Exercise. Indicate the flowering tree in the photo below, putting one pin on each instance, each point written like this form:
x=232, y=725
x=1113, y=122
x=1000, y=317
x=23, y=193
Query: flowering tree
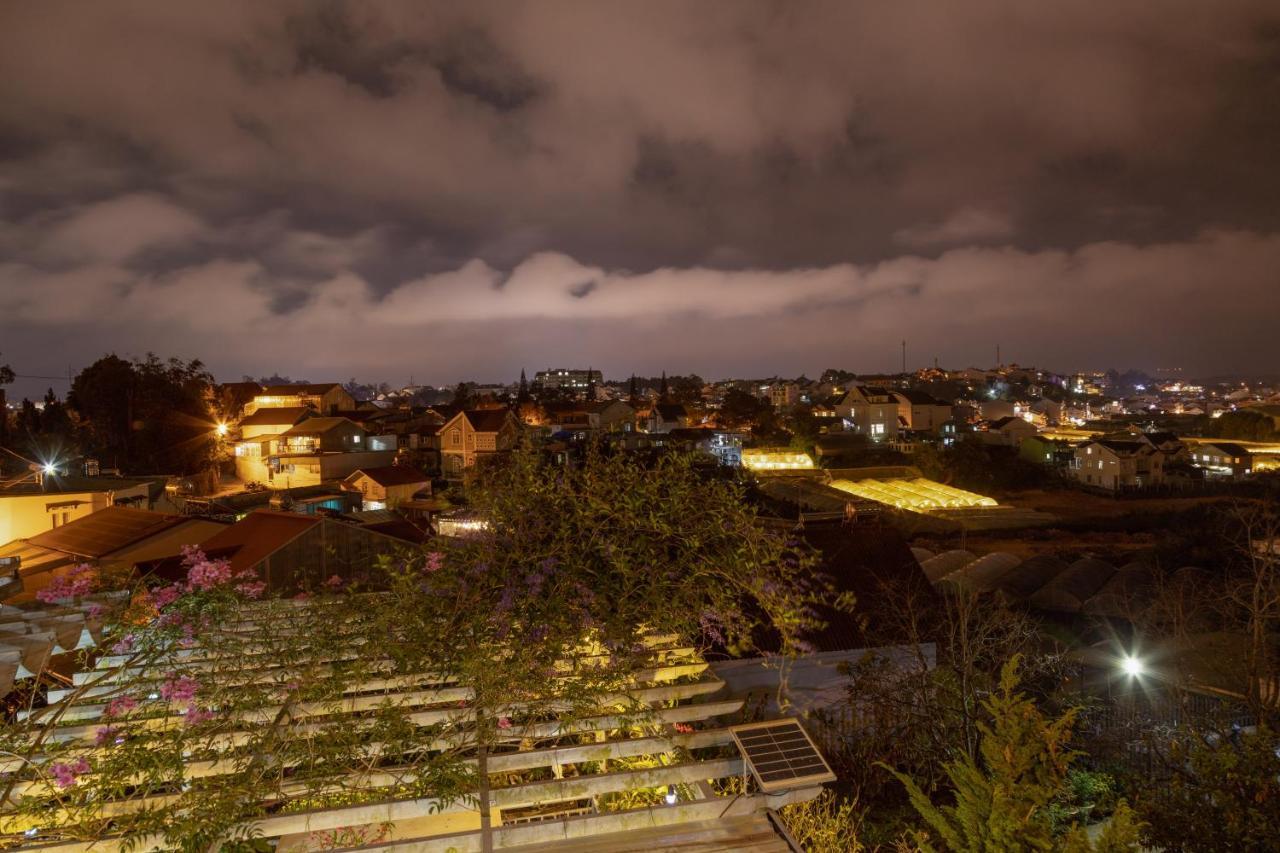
x=217, y=710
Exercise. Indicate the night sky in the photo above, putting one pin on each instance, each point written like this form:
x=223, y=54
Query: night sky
x=461, y=190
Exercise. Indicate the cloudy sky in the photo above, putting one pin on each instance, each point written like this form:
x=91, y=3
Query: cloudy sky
x=735, y=188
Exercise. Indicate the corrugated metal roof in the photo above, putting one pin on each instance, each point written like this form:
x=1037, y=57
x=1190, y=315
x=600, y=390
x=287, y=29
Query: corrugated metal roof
x=105, y=531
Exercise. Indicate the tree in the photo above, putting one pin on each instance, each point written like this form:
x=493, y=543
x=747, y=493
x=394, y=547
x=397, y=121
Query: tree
x=147, y=415
x=664, y=390
x=6, y=378
x=1243, y=425
x=522, y=396
x=462, y=396
x=633, y=389
x=740, y=408
x=1002, y=801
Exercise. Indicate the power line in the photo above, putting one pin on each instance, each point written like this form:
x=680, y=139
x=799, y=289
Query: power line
x=29, y=376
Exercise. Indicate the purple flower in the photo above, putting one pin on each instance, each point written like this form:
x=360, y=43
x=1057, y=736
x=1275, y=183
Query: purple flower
x=105, y=735
x=120, y=705
x=124, y=645
x=435, y=560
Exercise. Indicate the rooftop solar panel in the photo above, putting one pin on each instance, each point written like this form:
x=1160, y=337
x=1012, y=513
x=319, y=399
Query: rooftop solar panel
x=781, y=755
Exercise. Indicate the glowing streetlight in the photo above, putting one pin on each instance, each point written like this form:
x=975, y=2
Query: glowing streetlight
x=50, y=468
x=222, y=428
x=1131, y=666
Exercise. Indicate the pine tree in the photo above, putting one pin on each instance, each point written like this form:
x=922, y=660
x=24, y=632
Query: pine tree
x=591, y=384
x=664, y=392
x=1002, y=802
x=634, y=391
x=523, y=395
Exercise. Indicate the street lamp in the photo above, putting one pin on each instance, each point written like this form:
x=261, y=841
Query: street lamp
x=1131, y=666
x=222, y=428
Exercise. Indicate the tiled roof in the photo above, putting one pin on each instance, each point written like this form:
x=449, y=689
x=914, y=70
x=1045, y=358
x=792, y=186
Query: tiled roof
x=392, y=475
x=287, y=416
x=297, y=390
x=318, y=426
x=487, y=420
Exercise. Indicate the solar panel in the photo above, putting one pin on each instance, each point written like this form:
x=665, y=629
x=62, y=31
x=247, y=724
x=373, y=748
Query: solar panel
x=781, y=755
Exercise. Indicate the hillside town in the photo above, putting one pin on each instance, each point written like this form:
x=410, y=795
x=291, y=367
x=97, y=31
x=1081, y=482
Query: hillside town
x=1034, y=506
x=644, y=426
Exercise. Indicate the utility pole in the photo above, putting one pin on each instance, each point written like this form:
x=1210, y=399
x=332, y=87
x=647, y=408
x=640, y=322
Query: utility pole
x=904, y=357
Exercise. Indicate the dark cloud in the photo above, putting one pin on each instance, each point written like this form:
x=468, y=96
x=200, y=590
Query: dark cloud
x=393, y=185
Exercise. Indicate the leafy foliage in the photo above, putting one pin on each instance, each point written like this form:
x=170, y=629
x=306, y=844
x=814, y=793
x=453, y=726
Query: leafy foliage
x=548, y=616
x=1224, y=794
x=825, y=824
x=1002, y=802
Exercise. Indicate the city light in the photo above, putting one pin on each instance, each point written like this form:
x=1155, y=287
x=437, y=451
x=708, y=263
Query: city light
x=222, y=428
x=50, y=468
x=1131, y=666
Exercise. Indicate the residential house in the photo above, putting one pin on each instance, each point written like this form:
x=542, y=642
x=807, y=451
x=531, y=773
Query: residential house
x=1042, y=450
x=871, y=411
x=784, y=395
x=27, y=509
x=1173, y=448
x=597, y=416
x=472, y=434
x=313, y=451
x=922, y=412
x=1116, y=465
x=664, y=417
x=1008, y=431
x=270, y=422
x=324, y=398
x=115, y=538
x=387, y=487
x=1223, y=459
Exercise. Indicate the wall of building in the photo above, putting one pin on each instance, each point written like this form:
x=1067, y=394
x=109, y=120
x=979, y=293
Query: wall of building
x=23, y=515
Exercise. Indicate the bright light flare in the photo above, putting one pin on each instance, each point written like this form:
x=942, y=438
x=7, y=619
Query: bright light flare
x=50, y=468
x=222, y=428
x=1132, y=666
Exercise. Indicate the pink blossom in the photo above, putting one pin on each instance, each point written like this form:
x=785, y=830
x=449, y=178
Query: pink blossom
x=182, y=689
x=208, y=574
x=435, y=560
x=64, y=775
x=105, y=735
x=75, y=582
x=251, y=590
x=195, y=716
x=124, y=645
x=504, y=723
x=120, y=705
x=165, y=596
x=683, y=728
x=334, y=582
